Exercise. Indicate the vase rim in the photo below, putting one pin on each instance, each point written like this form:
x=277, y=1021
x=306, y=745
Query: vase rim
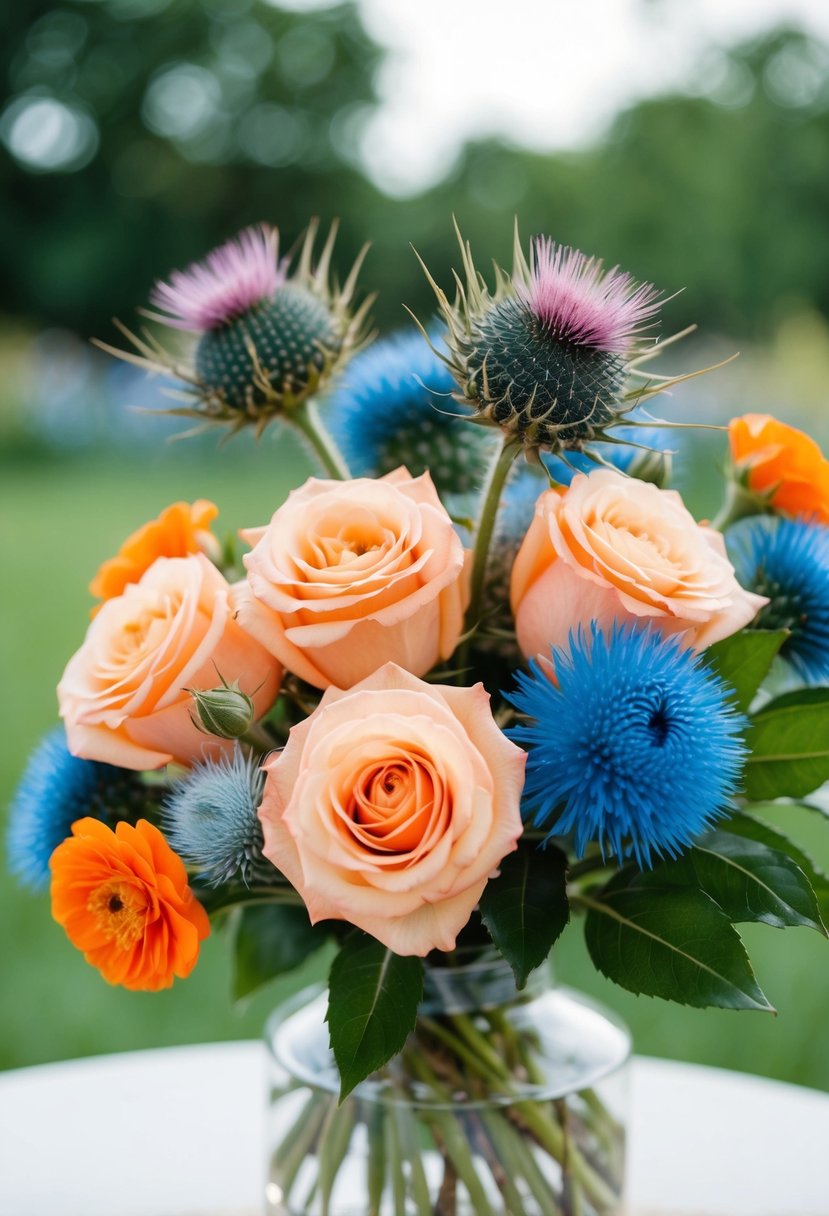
x=321, y=1071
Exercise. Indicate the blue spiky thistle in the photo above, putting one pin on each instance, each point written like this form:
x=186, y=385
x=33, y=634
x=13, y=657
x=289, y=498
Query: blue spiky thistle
x=788, y=561
x=55, y=790
x=549, y=354
x=210, y=820
x=392, y=407
x=636, y=745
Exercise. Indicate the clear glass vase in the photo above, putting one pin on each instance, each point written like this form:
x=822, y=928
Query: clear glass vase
x=503, y=1103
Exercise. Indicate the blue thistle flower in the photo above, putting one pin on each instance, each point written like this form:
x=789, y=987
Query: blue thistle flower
x=56, y=789
x=210, y=819
x=637, y=746
x=788, y=561
x=392, y=406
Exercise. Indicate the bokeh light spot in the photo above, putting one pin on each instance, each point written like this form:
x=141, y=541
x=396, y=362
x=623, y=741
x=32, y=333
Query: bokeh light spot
x=47, y=135
x=181, y=101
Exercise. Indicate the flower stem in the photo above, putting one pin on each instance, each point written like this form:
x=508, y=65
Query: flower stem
x=306, y=419
x=486, y=525
x=739, y=502
x=258, y=738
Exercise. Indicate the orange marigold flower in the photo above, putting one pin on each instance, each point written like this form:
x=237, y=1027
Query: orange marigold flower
x=123, y=899
x=781, y=463
x=180, y=529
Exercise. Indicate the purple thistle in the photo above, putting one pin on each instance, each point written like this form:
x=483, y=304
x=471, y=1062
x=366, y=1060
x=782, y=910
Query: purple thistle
x=578, y=302
x=228, y=283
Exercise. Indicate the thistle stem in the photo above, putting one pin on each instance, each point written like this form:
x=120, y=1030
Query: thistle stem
x=306, y=419
x=486, y=526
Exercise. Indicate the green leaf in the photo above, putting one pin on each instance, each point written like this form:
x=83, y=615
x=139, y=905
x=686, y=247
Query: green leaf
x=670, y=942
x=757, y=829
x=236, y=895
x=744, y=659
x=373, y=997
x=748, y=879
x=525, y=908
x=270, y=940
x=789, y=741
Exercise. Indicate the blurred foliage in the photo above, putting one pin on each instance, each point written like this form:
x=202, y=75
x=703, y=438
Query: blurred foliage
x=143, y=132
x=723, y=196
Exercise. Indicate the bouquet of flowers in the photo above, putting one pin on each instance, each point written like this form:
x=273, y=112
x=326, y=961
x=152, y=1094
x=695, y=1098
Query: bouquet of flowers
x=485, y=674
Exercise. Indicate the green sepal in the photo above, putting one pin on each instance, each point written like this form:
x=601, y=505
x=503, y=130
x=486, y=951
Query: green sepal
x=525, y=908
x=373, y=996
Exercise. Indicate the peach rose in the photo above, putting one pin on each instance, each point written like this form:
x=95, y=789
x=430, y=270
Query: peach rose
x=124, y=694
x=391, y=806
x=350, y=575
x=614, y=548
x=180, y=529
x=783, y=463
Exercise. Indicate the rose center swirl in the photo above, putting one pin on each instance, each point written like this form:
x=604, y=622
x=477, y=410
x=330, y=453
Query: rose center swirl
x=339, y=544
x=392, y=804
x=144, y=631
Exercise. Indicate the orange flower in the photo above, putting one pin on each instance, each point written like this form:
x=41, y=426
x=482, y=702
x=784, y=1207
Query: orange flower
x=123, y=899
x=180, y=529
x=781, y=463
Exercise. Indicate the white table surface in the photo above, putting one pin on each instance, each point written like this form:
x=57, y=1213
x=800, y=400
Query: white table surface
x=180, y=1132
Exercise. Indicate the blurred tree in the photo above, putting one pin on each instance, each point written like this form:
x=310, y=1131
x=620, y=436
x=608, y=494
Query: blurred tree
x=723, y=195
x=141, y=132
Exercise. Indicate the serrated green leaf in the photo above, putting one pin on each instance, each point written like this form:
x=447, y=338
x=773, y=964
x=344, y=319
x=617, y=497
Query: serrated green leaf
x=525, y=908
x=748, y=879
x=670, y=942
x=744, y=659
x=758, y=829
x=789, y=741
x=373, y=997
x=270, y=940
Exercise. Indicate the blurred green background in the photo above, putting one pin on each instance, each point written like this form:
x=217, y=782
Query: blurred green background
x=141, y=132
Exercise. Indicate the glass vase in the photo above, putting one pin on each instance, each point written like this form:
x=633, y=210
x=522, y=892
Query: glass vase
x=502, y=1103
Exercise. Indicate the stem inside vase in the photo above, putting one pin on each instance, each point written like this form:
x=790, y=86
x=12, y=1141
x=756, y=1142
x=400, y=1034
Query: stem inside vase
x=501, y=1104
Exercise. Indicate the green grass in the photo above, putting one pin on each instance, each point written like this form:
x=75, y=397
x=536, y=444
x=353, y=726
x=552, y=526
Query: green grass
x=58, y=520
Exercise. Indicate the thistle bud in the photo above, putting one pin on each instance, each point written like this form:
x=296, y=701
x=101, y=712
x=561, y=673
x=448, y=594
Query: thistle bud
x=226, y=712
x=210, y=820
x=547, y=355
x=268, y=336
